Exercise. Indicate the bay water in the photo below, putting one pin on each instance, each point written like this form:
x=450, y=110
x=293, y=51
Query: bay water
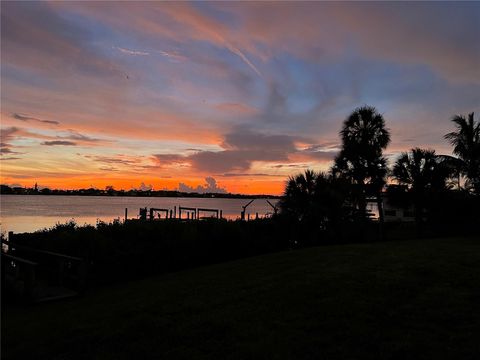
x=28, y=213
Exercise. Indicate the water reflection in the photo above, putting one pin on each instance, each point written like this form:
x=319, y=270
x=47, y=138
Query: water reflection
x=30, y=213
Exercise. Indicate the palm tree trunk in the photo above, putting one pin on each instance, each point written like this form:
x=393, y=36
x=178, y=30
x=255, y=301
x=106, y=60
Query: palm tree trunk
x=362, y=200
x=381, y=218
x=362, y=206
x=418, y=219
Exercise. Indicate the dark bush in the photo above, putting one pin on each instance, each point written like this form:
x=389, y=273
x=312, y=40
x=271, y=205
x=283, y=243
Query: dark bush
x=137, y=248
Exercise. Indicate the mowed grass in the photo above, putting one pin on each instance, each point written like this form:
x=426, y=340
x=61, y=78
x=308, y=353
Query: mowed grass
x=417, y=299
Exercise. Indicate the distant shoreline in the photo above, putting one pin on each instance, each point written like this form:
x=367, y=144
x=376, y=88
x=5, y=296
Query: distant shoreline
x=130, y=193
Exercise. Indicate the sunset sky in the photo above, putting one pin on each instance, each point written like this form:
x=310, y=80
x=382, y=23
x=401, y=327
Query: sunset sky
x=168, y=94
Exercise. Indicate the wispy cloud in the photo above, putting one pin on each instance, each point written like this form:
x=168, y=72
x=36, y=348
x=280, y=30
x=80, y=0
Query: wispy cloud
x=29, y=118
x=75, y=135
x=131, y=52
x=69, y=137
x=172, y=55
x=7, y=134
x=203, y=27
x=234, y=175
x=242, y=56
x=297, y=166
x=109, y=168
x=236, y=108
x=7, y=150
x=132, y=164
x=59, y=143
x=118, y=159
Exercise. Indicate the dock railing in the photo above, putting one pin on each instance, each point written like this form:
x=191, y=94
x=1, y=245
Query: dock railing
x=30, y=265
x=20, y=272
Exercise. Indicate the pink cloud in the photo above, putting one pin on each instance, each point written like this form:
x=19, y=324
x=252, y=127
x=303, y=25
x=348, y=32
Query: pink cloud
x=395, y=31
x=204, y=28
x=237, y=108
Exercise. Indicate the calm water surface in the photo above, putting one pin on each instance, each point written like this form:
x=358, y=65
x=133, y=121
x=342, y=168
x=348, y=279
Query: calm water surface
x=26, y=213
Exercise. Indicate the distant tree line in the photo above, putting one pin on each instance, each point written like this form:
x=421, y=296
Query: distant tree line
x=443, y=190
x=111, y=191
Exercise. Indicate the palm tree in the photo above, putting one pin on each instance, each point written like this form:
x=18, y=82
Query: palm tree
x=423, y=171
x=314, y=198
x=415, y=169
x=361, y=160
x=466, y=145
x=298, y=197
x=453, y=166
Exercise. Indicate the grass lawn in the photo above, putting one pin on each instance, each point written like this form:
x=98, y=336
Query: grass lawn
x=417, y=299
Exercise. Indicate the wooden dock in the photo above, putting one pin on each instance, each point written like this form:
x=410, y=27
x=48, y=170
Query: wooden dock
x=184, y=213
x=195, y=213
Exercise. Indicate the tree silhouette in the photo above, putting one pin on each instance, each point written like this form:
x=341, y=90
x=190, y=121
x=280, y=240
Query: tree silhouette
x=298, y=199
x=425, y=173
x=453, y=167
x=364, y=137
x=314, y=199
x=466, y=145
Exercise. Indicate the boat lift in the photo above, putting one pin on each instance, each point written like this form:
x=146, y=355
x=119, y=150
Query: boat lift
x=274, y=207
x=218, y=213
x=242, y=214
x=191, y=212
x=159, y=211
